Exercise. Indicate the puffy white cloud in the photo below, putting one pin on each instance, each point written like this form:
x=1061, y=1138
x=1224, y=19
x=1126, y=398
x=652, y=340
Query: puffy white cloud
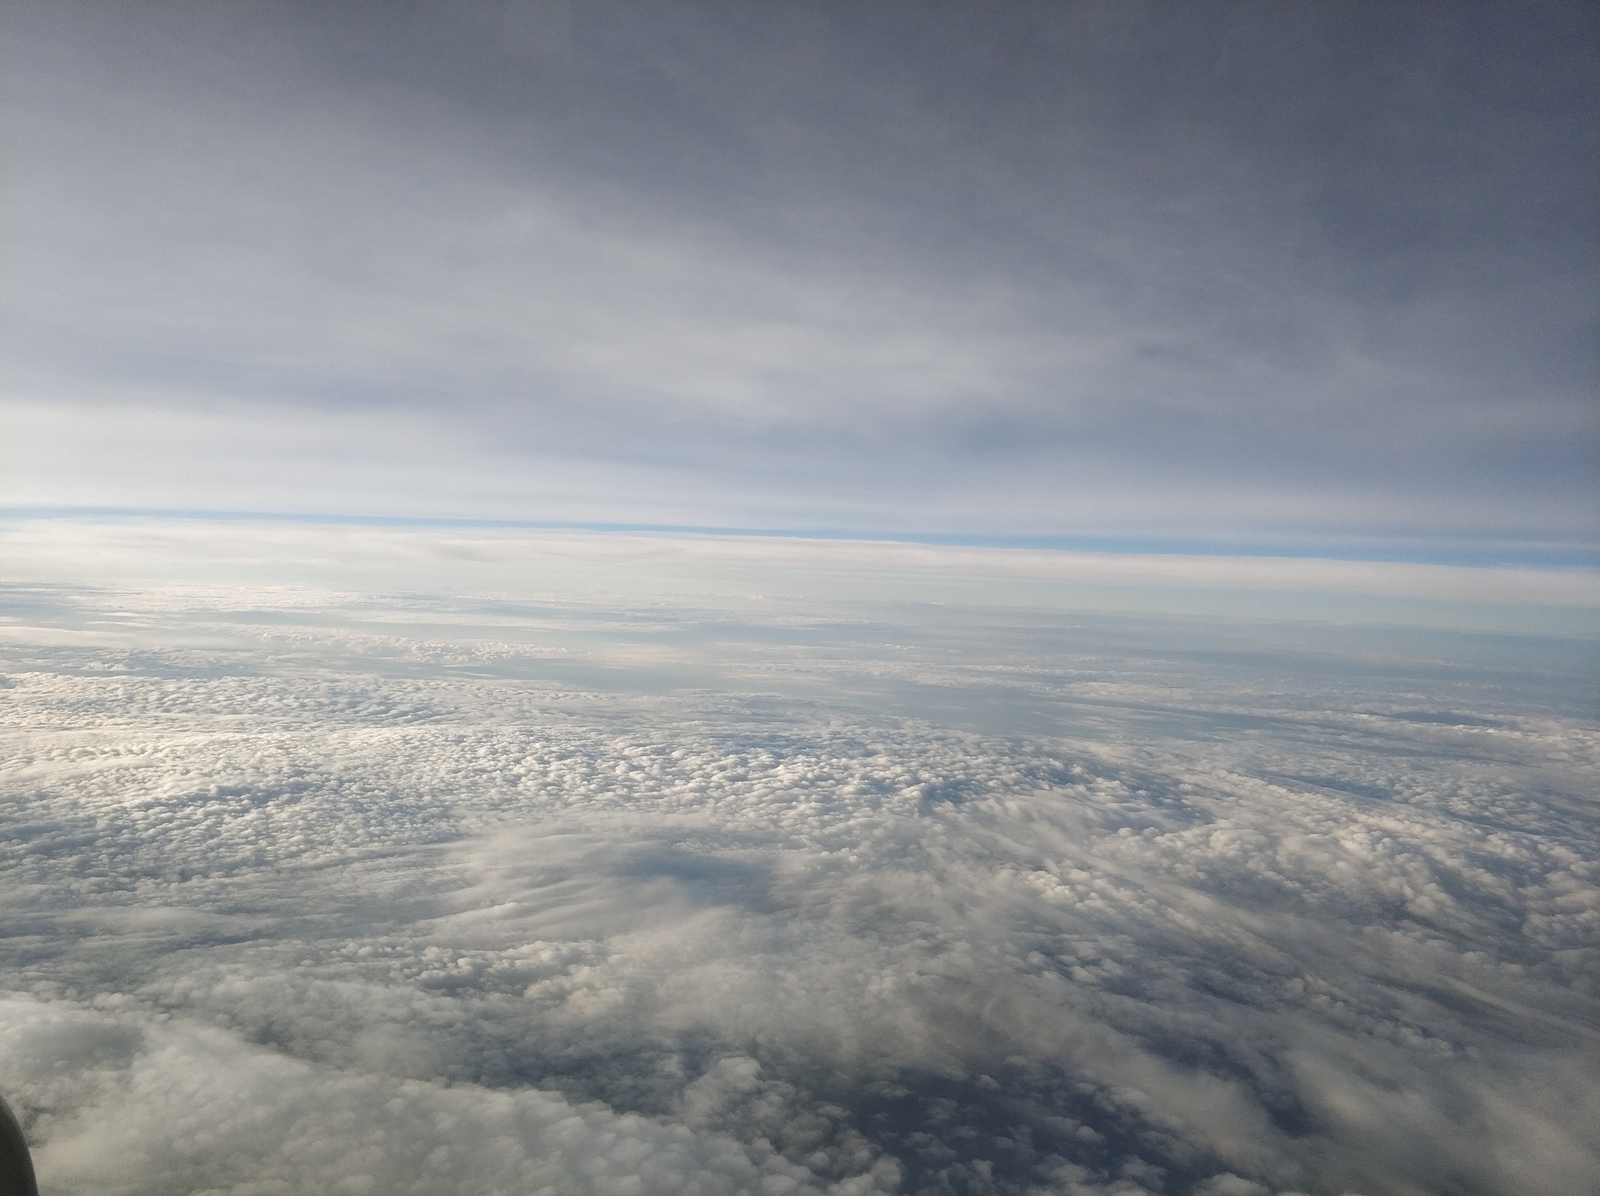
x=178, y=1107
x=302, y=891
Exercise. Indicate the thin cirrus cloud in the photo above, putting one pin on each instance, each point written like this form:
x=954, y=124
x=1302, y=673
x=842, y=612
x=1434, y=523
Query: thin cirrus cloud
x=1274, y=274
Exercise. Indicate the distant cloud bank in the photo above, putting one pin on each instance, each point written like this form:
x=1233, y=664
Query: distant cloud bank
x=467, y=559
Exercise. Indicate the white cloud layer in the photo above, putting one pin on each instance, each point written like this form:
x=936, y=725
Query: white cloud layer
x=808, y=571
x=314, y=893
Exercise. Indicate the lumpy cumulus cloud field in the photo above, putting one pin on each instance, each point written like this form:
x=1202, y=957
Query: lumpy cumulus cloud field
x=308, y=891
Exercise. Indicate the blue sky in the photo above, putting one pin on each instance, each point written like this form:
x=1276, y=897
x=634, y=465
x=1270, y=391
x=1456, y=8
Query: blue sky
x=1310, y=278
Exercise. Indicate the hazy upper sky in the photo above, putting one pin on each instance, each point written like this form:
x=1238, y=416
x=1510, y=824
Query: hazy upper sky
x=1315, y=276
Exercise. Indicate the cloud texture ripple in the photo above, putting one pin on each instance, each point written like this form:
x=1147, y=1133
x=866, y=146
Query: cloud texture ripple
x=311, y=894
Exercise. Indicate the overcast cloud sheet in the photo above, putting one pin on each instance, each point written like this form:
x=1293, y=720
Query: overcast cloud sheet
x=1284, y=274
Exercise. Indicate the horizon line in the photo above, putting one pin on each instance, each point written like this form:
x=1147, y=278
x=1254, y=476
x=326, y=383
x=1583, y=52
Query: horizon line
x=1499, y=555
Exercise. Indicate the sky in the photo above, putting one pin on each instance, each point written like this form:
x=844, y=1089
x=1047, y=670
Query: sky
x=986, y=599
x=1302, y=278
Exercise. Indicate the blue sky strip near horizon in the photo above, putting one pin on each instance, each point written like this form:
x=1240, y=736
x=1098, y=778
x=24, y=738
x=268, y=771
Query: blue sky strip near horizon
x=1467, y=556
x=1290, y=279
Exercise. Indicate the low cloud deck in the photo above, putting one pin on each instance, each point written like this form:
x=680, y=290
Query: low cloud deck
x=345, y=894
